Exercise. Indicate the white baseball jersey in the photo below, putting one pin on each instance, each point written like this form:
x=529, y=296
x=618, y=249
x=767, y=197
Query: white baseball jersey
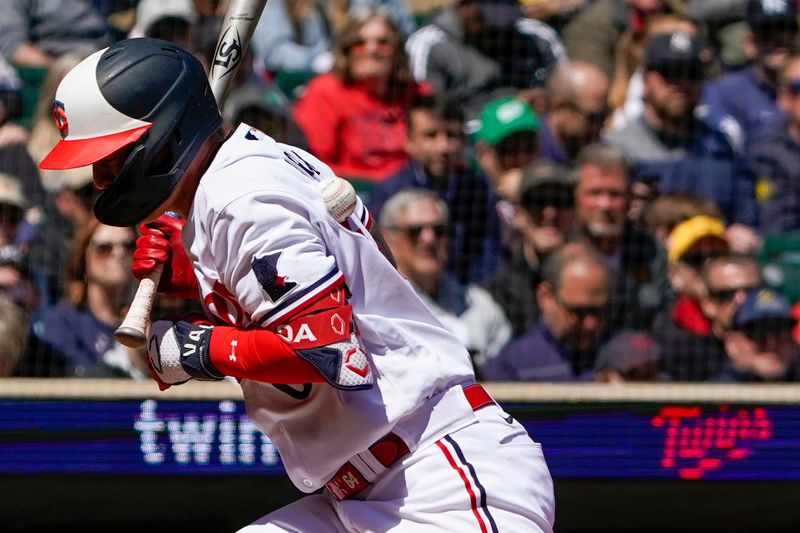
x=262, y=243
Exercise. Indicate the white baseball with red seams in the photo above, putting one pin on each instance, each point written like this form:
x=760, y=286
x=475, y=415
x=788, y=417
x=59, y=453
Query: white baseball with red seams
x=339, y=197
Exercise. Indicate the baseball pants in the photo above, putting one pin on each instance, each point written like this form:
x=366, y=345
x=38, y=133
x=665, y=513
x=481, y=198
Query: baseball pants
x=486, y=477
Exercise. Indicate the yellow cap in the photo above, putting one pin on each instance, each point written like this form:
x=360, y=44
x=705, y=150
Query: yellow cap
x=688, y=232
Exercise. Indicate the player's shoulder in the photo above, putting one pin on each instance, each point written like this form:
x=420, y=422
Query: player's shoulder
x=250, y=164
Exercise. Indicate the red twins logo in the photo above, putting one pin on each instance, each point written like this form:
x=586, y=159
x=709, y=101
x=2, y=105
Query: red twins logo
x=60, y=117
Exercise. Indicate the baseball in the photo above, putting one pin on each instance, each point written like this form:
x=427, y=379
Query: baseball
x=339, y=197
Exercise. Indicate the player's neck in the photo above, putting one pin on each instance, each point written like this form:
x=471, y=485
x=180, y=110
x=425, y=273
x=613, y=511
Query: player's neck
x=182, y=197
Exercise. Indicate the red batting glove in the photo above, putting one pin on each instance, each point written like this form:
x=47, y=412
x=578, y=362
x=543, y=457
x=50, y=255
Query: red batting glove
x=160, y=243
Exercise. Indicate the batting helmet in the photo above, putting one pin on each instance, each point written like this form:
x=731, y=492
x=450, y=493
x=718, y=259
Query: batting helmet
x=145, y=92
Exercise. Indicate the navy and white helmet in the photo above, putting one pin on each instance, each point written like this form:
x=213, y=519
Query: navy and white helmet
x=147, y=93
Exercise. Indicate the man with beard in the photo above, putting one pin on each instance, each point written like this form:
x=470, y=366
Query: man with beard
x=679, y=146
x=573, y=296
x=576, y=98
x=602, y=197
x=748, y=95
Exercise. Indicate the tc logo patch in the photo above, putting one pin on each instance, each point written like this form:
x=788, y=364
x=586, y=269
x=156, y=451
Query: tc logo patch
x=266, y=270
x=60, y=118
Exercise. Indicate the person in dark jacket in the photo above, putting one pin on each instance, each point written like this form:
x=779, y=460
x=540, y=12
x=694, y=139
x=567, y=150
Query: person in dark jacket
x=435, y=143
x=748, y=95
x=573, y=296
x=602, y=197
x=680, y=146
x=774, y=159
x=543, y=217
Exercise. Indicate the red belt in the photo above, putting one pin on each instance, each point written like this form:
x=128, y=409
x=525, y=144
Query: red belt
x=348, y=480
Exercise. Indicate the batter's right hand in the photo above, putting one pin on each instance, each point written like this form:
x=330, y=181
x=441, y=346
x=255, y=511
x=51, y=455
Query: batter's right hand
x=160, y=243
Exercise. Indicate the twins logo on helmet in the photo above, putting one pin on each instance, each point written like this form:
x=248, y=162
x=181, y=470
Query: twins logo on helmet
x=60, y=117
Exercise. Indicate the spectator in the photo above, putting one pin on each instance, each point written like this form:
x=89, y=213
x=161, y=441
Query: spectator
x=293, y=35
x=14, y=281
x=627, y=85
x=10, y=99
x=354, y=117
x=13, y=336
x=629, y=356
x=675, y=146
x=68, y=206
x=435, y=145
x=77, y=335
x=265, y=107
x=691, y=351
x=760, y=347
x=573, y=295
x=505, y=141
x=415, y=226
x=507, y=138
x=594, y=33
x=727, y=279
x=576, y=100
x=602, y=197
x=67, y=198
x=543, y=216
x=556, y=13
x=774, y=158
x=34, y=33
x=667, y=211
x=748, y=95
x=169, y=20
x=474, y=46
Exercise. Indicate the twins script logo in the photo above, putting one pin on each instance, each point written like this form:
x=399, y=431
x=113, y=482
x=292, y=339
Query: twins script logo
x=695, y=444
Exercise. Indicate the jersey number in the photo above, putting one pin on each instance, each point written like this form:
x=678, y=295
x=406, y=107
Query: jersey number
x=300, y=164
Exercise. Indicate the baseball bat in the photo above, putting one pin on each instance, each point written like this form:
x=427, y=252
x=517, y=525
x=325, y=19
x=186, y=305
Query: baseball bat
x=241, y=18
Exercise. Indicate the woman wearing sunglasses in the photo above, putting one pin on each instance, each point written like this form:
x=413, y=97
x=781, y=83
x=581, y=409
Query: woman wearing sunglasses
x=78, y=332
x=354, y=117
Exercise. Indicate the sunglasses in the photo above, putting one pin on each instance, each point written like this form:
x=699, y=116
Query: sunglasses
x=597, y=116
x=383, y=45
x=558, y=198
x=415, y=230
x=677, y=74
x=106, y=248
x=582, y=311
x=726, y=295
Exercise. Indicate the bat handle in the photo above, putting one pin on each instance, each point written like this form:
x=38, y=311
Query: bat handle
x=133, y=330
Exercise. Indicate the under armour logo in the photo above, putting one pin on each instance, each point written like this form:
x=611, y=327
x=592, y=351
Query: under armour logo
x=232, y=355
x=60, y=118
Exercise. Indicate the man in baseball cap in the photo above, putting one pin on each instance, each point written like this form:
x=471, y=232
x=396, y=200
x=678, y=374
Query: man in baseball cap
x=760, y=346
x=629, y=356
x=506, y=137
x=748, y=95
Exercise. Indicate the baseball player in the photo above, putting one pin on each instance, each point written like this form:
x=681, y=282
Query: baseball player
x=371, y=403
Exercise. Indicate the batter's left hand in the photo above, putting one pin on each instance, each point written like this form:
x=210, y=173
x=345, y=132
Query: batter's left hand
x=178, y=350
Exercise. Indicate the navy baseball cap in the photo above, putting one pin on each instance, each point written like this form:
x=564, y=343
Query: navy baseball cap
x=762, y=305
x=764, y=16
x=675, y=50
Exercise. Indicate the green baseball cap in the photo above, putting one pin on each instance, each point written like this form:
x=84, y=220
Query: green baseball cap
x=503, y=117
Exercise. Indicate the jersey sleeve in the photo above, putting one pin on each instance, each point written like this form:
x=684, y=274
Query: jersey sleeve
x=278, y=264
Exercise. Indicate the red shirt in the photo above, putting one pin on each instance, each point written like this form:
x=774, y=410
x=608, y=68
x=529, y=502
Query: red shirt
x=359, y=135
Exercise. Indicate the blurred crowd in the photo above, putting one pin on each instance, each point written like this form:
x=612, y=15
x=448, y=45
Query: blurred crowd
x=581, y=190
